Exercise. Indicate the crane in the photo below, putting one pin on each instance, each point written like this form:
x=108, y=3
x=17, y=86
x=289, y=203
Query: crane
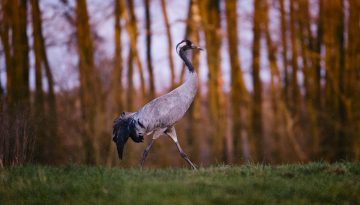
x=159, y=116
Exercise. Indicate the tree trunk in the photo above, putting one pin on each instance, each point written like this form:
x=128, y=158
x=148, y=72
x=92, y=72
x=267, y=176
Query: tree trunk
x=41, y=138
x=130, y=89
x=170, y=44
x=284, y=44
x=116, y=80
x=148, y=50
x=131, y=27
x=334, y=62
x=194, y=133
x=352, y=101
x=309, y=59
x=21, y=91
x=17, y=128
x=49, y=146
x=275, y=87
x=239, y=94
x=295, y=91
x=90, y=86
x=117, y=87
x=256, y=109
x=54, y=142
x=209, y=11
x=318, y=94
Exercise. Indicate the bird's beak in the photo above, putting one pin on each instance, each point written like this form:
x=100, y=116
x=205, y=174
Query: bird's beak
x=197, y=47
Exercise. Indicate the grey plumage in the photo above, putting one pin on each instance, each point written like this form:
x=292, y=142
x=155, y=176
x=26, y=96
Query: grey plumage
x=159, y=115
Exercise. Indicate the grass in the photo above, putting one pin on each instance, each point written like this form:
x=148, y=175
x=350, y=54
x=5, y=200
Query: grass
x=314, y=183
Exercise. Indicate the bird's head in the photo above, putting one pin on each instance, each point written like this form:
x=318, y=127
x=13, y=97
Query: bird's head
x=124, y=127
x=186, y=45
x=184, y=50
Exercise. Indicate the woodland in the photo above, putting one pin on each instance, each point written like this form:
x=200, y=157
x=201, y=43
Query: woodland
x=279, y=79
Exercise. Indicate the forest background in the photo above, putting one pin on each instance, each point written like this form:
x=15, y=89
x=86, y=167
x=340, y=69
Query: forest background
x=279, y=79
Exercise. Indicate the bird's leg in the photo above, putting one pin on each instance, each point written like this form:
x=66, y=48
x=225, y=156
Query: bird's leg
x=146, y=152
x=184, y=155
x=172, y=134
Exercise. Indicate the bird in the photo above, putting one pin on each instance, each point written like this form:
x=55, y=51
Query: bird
x=159, y=116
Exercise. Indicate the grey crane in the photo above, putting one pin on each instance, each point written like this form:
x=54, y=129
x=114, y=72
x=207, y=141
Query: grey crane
x=159, y=115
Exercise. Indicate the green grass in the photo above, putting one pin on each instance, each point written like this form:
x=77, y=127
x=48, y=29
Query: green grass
x=315, y=183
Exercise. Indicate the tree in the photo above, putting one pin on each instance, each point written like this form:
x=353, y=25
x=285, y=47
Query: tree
x=195, y=135
x=294, y=84
x=310, y=57
x=131, y=27
x=90, y=87
x=335, y=65
x=284, y=44
x=40, y=154
x=15, y=42
x=256, y=109
x=210, y=15
x=116, y=81
x=170, y=44
x=16, y=124
x=352, y=79
x=117, y=86
x=239, y=94
x=45, y=105
x=148, y=49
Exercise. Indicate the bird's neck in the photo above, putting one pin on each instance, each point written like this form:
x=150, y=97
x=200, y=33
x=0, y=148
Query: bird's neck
x=187, y=62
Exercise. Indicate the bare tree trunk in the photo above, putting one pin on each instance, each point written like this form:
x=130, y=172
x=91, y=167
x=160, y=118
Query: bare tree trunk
x=194, y=132
x=256, y=109
x=13, y=32
x=130, y=19
x=170, y=44
x=48, y=149
x=343, y=141
x=295, y=91
x=51, y=115
x=148, y=49
x=41, y=138
x=116, y=81
x=209, y=10
x=21, y=91
x=334, y=62
x=318, y=96
x=284, y=43
x=309, y=59
x=351, y=101
x=239, y=94
x=275, y=87
x=130, y=89
x=90, y=86
x=117, y=87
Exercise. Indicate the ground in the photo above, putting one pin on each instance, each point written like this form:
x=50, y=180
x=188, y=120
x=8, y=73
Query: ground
x=314, y=183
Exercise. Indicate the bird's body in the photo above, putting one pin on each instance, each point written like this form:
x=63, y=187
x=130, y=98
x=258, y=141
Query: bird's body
x=159, y=115
x=166, y=110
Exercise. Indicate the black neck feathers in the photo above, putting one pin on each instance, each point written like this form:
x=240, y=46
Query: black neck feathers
x=186, y=60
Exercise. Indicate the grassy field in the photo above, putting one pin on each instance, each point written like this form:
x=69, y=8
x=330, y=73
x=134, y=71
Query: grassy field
x=315, y=183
